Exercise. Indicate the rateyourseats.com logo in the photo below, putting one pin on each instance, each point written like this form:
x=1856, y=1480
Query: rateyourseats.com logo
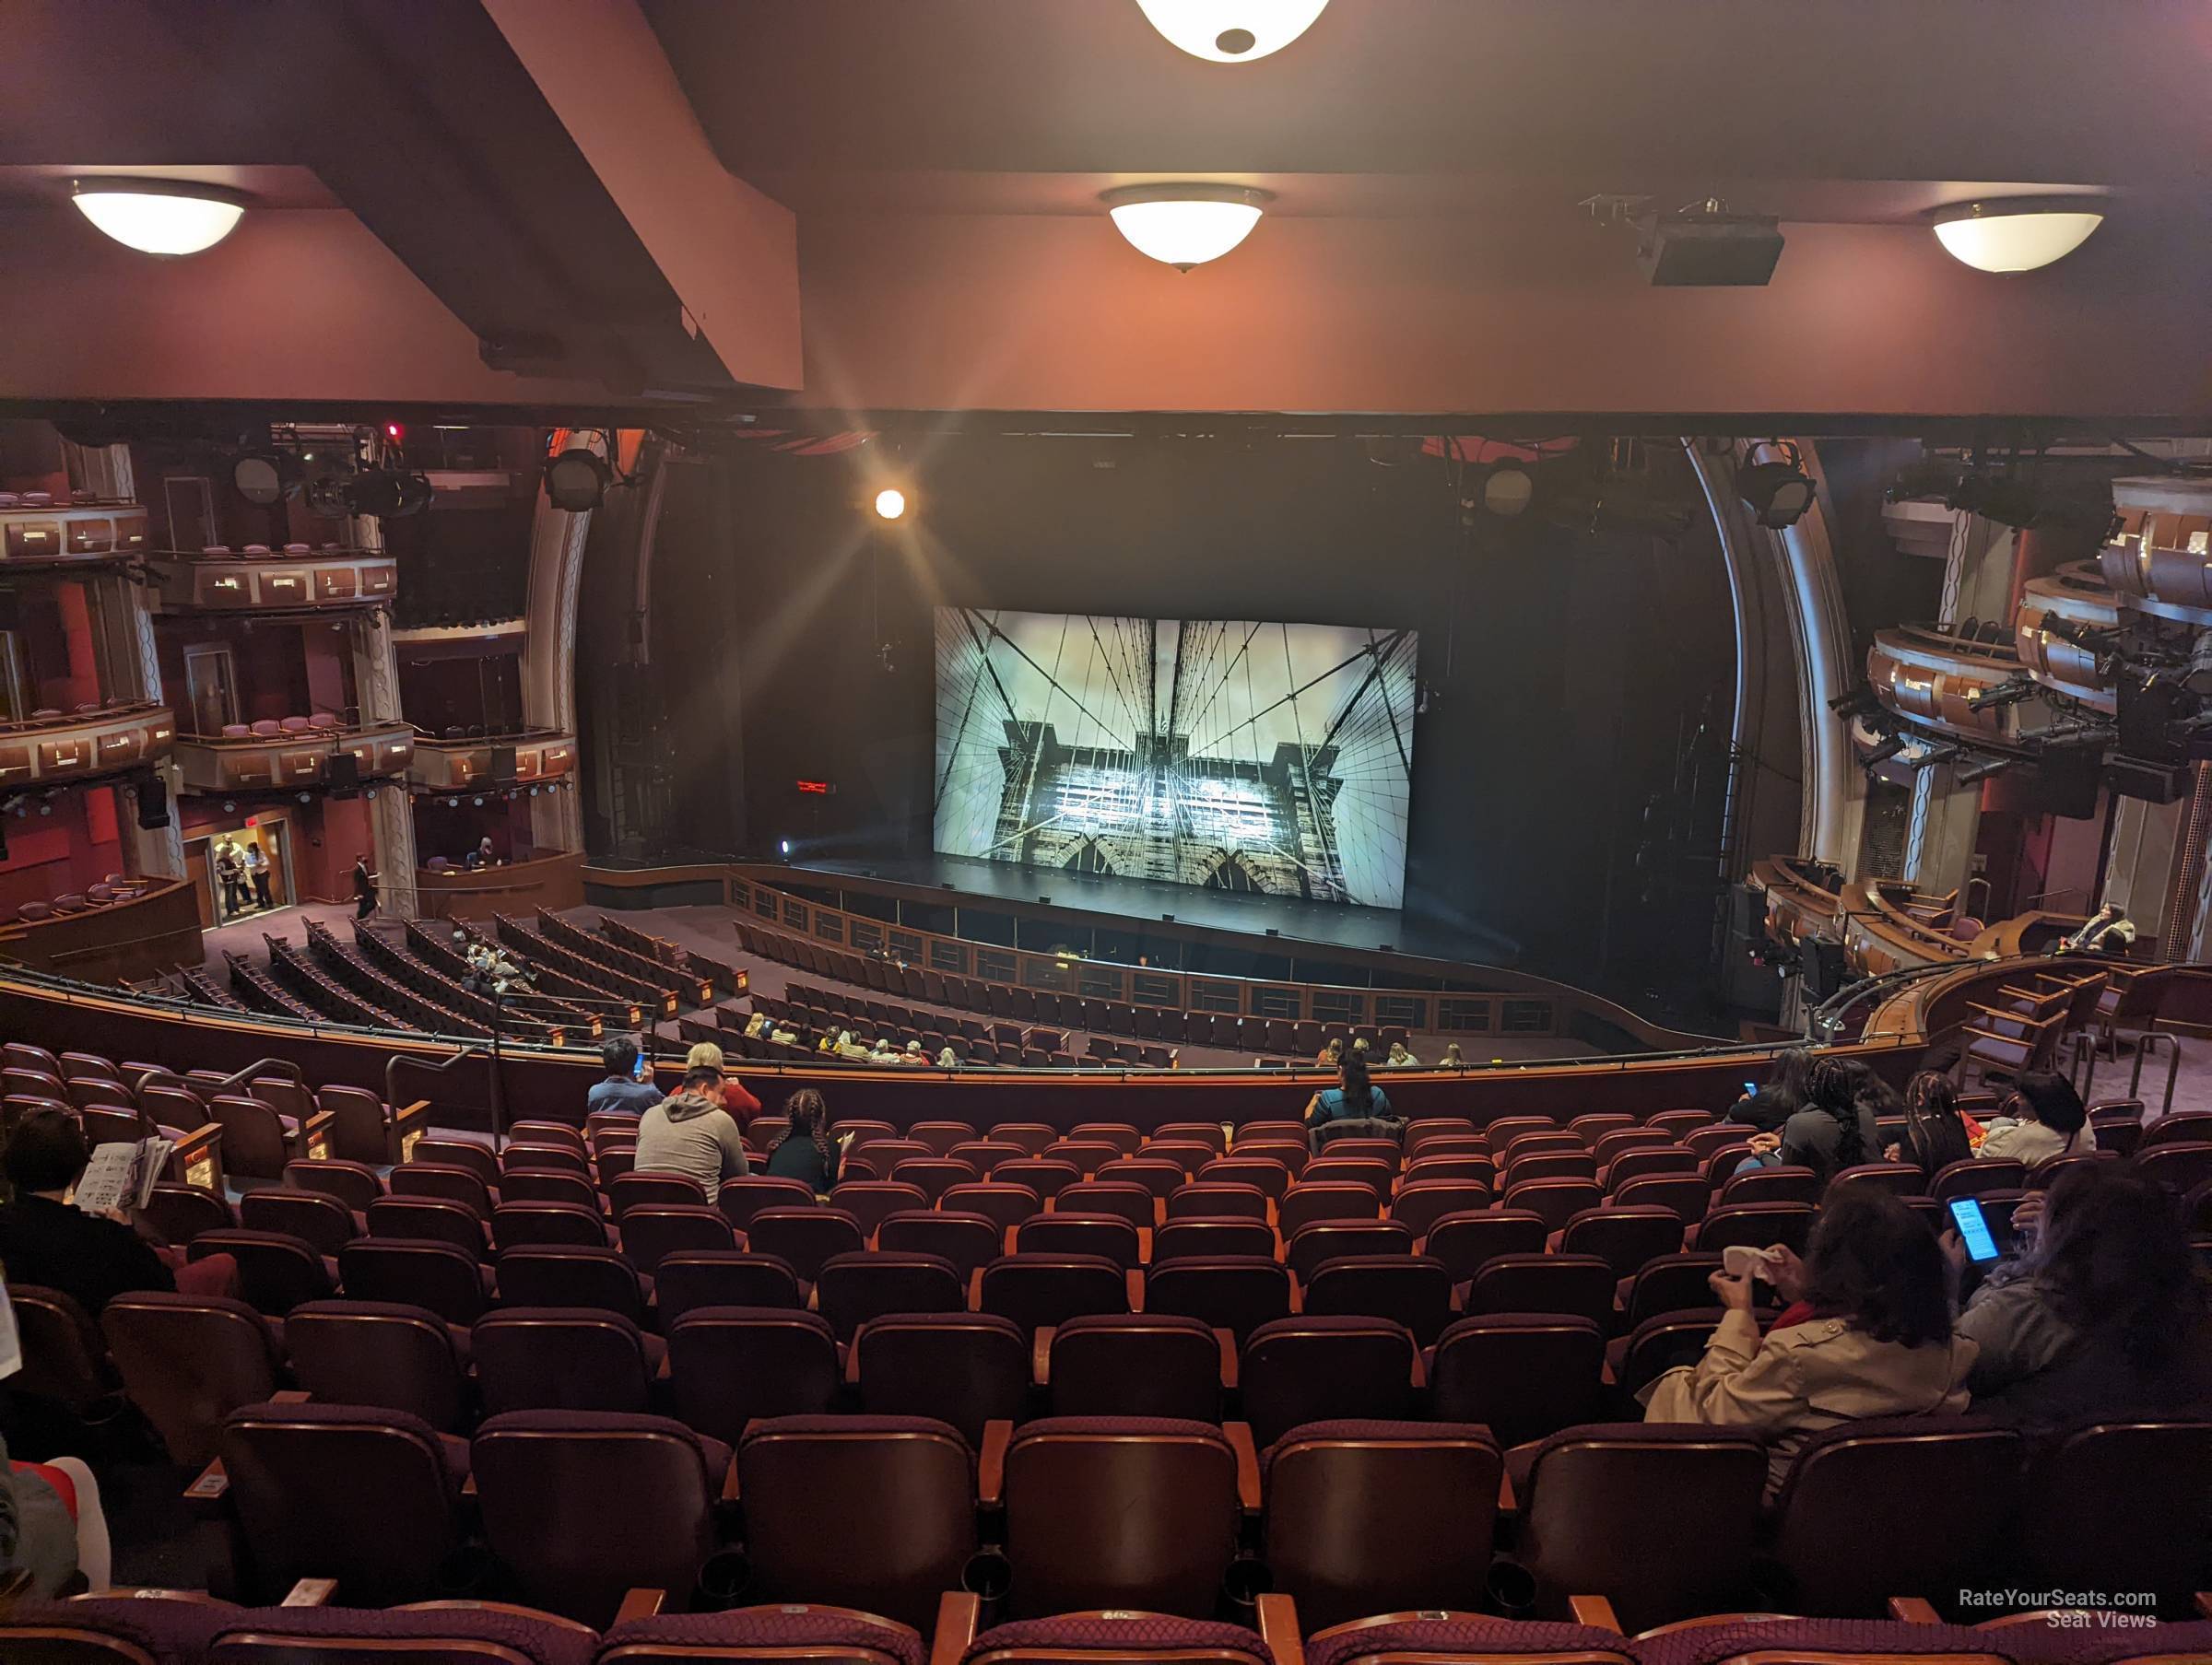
x=2071, y=1608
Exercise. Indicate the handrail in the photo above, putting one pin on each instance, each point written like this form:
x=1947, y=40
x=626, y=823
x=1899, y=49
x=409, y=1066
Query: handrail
x=399, y=1060
x=271, y=1065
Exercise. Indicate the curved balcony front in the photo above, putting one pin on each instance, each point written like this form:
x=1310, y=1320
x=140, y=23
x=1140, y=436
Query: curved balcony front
x=294, y=760
x=2160, y=562
x=1888, y=925
x=1932, y=677
x=454, y=763
x=52, y=746
x=35, y=530
x=259, y=580
x=1799, y=901
x=2076, y=599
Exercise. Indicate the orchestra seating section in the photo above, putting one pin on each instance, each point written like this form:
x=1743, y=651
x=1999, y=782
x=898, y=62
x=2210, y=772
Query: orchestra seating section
x=1116, y=1385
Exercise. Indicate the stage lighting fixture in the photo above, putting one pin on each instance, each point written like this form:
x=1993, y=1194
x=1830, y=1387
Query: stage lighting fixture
x=890, y=503
x=1508, y=490
x=1704, y=246
x=266, y=477
x=1777, y=490
x=1855, y=702
x=1980, y=769
x=1185, y=225
x=2019, y=235
x=159, y=216
x=1882, y=750
x=1232, y=31
x=389, y=494
x=576, y=480
x=783, y=847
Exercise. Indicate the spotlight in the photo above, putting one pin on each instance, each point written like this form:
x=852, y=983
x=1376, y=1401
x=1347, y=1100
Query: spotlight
x=1855, y=702
x=890, y=503
x=1980, y=769
x=159, y=216
x=1777, y=490
x=1882, y=750
x=388, y=494
x=784, y=845
x=266, y=477
x=1506, y=491
x=577, y=479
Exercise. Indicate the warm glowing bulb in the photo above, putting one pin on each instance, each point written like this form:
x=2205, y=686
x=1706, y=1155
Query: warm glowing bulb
x=1185, y=226
x=2004, y=237
x=1232, y=31
x=890, y=502
x=156, y=218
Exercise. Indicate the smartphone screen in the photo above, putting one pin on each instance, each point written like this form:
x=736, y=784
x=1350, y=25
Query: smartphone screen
x=1751, y=1089
x=1973, y=1230
x=643, y=1071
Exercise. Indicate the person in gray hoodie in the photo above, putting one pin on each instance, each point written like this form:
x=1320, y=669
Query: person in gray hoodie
x=692, y=1135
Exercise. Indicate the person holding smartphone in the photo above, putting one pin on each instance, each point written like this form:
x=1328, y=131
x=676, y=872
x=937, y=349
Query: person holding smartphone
x=626, y=1087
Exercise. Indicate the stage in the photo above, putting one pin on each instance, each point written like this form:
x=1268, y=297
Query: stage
x=1296, y=922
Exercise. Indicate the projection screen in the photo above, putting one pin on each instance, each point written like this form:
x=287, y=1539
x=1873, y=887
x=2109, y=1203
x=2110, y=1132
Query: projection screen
x=1269, y=757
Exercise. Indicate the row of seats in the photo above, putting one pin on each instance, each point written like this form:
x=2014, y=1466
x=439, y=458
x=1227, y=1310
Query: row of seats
x=814, y=1013
x=1072, y=1513
x=114, y=888
x=108, y=1629
x=278, y=728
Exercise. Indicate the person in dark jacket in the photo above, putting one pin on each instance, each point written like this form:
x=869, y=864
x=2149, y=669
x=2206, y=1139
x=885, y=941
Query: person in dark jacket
x=2104, y=1314
x=364, y=888
x=1836, y=1128
x=806, y=1153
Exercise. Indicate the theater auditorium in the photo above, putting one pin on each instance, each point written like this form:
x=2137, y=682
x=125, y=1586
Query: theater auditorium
x=1105, y=832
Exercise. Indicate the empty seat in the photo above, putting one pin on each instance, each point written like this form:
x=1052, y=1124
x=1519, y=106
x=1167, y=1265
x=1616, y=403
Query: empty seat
x=454, y=1181
x=1035, y=1290
x=559, y=1358
x=1786, y=1184
x=2121, y=1504
x=356, y=1184
x=1465, y=1242
x=276, y=1270
x=544, y=1185
x=1576, y=1284
x=742, y=1198
x=1303, y=1369
x=189, y=1361
x=1080, y=1234
x=1553, y=1201
x=690, y=1278
x=1202, y=1239
x=181, y=1212
x=1270, y=1177
x=1422, y=1202
x=1151, y=1363
x=653, y=1231
x=1237, y=1293
x=1047, y=1178
x=1415, y=1291
x=1523, y=1374
x=869, y=1202
x=730, y=1365
x=1756, y=1225
x=1332, y=1239
x=1310, y=1200
x=520, y=1225
x=872, y=1512
x=1119, y=1513
x=634, y=1189
x=849, y=1289
x=1623, y=1237
x=360, y=1125
x=1341, y=1497
x=367, y=1493
x=583, y=1507
x=965, y=1368
x=416, y=1271
x=805, y=1237
x=1116, y=1197
x=380, y=1352
x=1218, y=1200
x=934, y=1175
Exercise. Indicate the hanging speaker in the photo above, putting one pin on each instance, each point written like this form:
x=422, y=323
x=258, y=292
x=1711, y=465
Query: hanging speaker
x=502, y=766
x=343, y=772
x=153, y=804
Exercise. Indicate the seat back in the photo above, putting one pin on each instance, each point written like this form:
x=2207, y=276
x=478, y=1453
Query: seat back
x=633, y=1189
x=2124, y=1500
x=653, y=1230
x=1522, y=1373
x=519, y=1224
x=379, y=1353
x=1311, y=1199
x=583, y=1507
x=732, y=1363
x=1412, y=1290
x=1556, y=1200
x=1158, y=1179
x=545, y=1185
x=805, y=1237
x=276, y=1270
x=1218, y=1201
x=1787, y=1184
x=437, y=1218
x=1339, y=1495
x=743, y=1198
x=1188, y=1240
x=873, y=1512
x=870, y=1200
x=414, y=1272
x=849, y=1289
x=359, y=1126
x=189, y=1361
x=1319, y=1369
x=355, y=1184
x=1852, y=1520
x=1561, y=1283
x=1465, y=1242
x=1623, y=1237
x=1047, y=1178
x=1236, y=1293
x=1149, y=1364
x=1119, y=1512
x=970, y=1241
x=690, y=1278
x=64, y=1359
x=558, y=1358
x=1106, y=1235
x=1756, y=1225
x=359, y=1490
x=254, y=1142
x=452, y=1180
x=1035, y=1290
x=1330, y=1240
x=965, y=1368
x=1972, y=1176
x=181, y=1212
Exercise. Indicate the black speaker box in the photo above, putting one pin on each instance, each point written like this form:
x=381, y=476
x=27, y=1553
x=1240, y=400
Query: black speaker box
x=343, y=772
x=2152, y=782
x=502, y=766
x=153, y=804
x=1823, y=964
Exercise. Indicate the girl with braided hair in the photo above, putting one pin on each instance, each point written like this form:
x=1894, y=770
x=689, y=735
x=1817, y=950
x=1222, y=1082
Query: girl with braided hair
x=1935, y=1133
x=1835, y=1130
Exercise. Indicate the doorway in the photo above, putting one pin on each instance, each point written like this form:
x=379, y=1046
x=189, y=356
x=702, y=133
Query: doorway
x=211, y=688
x=227, y=903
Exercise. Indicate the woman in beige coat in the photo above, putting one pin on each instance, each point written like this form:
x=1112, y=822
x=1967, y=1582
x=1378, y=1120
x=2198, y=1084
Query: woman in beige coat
x=1868, y=1333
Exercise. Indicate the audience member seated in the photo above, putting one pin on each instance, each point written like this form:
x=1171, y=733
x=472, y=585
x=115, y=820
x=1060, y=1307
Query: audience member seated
x=45, y=1510
x=692, y=1135
x=2043, y=1118
x=1935, y=1131
x=1353, y=1099
x=47, y=1240
x=1765, y=1110
x=621, y=1090
x=1835, y=1128
x=1868, y=1333
x=2102, y=1313
x=742, y=1105
x=805, y=1153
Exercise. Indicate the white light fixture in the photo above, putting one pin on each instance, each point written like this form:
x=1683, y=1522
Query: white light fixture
x=2017, y=235
x=1232, y=31
x=159, y=216
x=1185, y=226
x=890, y=502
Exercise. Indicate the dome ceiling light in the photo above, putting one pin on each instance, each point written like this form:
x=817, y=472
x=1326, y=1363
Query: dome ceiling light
x=1185, y=225
x=1232, y=31
x=159, y=216
x=2020, y=234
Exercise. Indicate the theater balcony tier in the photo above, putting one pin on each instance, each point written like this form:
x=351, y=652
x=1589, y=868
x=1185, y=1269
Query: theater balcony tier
x=298, y=760
x=1802, y=897
x=1933, y=677
x=554, y=880
x=33, y=531
x=139, y=928
x=453, y=764
x=259, y=580
x=2073, y=600
x=52, y=746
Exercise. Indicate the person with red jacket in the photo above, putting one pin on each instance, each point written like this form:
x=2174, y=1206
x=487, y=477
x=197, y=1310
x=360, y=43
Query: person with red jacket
x=742, y=1105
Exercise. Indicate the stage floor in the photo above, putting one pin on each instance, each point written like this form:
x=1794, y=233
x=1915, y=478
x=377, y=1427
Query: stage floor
x=1318, y=924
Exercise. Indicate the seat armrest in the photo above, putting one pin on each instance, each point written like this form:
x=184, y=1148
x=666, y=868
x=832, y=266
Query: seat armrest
x=1914, y=1610
x=1507, y=1502
x=852, y=1363
x=1278, y=1629
x=640, y=1604
x=991, y=1467
x=1248, y=1465
x=1040, y=1356
x=315, y=1133
x=1228, y=1341
x=211, y=1484
x=1595, y=1612
x=957, y=1615
x=290, y=1396
x=310, y=1592
x=2204, y=1602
